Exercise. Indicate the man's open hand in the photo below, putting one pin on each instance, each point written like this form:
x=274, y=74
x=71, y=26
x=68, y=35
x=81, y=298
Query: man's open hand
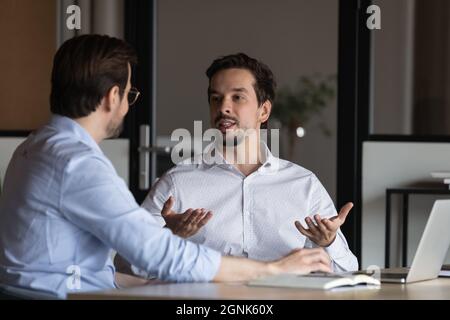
x=184, y=224
x=324, y=233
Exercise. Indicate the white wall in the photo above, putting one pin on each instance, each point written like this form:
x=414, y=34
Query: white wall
x=293, y=37
x=117, y=150
x=7, y=147
x=397, y=164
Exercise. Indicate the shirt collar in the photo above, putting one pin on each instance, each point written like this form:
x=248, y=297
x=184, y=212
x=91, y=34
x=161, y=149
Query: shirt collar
x=270, y=162
x=212, y=158
x=65, y=124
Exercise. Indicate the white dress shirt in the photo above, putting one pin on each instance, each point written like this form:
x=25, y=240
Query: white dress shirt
x=63, y=209
x=253, y=216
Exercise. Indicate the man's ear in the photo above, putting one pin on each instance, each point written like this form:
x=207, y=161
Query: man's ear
x=112, y=98
x=265, y=110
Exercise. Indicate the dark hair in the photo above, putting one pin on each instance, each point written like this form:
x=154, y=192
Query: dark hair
x=85, y=68
x=265, y=83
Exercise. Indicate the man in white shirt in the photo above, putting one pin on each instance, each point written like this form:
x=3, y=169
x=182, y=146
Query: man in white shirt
x=255, y=206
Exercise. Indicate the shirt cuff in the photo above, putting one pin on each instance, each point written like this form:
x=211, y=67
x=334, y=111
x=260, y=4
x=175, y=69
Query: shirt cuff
x=335, y=249
x=206, y=269
x=210, y=263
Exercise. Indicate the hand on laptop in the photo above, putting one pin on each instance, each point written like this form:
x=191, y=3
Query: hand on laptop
x=324, y=231
x=184, y=224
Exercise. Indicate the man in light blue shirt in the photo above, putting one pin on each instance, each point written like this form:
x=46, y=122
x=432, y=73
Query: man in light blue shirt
x=63, y=207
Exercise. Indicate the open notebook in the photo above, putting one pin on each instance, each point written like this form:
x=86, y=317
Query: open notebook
x=325, y=281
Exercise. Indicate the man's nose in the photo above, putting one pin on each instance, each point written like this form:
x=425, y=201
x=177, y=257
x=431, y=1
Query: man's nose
x=226, y=106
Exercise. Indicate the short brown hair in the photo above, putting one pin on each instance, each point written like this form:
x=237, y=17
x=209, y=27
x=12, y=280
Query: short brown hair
x=265, y=83
x=85, y=68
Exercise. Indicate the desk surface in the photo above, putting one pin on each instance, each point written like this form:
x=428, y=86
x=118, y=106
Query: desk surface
x=437, y=289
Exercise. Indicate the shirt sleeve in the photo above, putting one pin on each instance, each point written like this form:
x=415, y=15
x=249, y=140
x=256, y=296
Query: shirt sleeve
x=153, y=203
x=341, y=256
x=158, y=195
x=97, y=200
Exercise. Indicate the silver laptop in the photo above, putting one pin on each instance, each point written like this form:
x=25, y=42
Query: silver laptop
x=432, y=249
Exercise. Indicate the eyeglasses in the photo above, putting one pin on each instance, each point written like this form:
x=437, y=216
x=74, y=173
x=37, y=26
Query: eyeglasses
x=133, y=95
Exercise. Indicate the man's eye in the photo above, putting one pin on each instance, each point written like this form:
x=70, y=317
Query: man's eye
x=238, y=98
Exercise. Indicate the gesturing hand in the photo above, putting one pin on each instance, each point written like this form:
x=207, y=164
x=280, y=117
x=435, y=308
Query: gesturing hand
x=324, y=233
x=184, y=224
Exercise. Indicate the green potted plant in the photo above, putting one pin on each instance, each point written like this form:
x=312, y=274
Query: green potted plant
x=294, y=107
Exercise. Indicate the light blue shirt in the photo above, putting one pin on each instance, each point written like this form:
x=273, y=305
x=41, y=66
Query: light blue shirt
x=62, y=210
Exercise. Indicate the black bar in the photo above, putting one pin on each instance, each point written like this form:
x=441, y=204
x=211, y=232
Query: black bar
x=387, y=251
x=346, y=140
x=419, y=191
x=353, y=112
x=405, y=231
x=139, y=33
x=362, y=109
x=408, y=138
x=15, y=133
